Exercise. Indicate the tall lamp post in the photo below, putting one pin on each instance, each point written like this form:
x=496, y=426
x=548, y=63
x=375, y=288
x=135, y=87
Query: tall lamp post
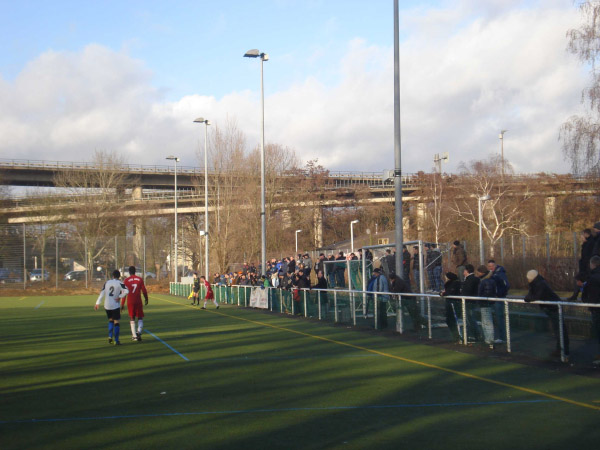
x=501, y=137
x=297, y=231
x=485, y=198
x=254, y=53
x=206, y=123
x=176, y=160
x=352, y=234
x=398, y=233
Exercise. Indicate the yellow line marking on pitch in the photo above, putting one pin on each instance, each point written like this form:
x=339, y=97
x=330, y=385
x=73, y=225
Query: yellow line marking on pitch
x=22, y=298
x=407, y=360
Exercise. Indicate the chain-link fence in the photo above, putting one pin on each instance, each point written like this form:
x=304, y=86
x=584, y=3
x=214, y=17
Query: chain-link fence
x=44, y=256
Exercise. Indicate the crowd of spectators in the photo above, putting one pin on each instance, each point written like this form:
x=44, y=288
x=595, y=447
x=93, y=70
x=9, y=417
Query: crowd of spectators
x=298, y=272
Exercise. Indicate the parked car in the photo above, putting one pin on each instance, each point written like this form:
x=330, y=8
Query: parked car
x=138, y=271
x=75, y=275
x=37, y=274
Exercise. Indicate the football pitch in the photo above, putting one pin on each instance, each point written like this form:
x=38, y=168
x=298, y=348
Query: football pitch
x=240, y=378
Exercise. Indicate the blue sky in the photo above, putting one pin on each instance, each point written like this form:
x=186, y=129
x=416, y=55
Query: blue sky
x=196, y=47
x=130, y=76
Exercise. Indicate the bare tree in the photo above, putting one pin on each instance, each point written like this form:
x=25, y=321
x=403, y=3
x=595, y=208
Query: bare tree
x=94, y=211
x=505, y=210
x=581, y=134
x=435, y=194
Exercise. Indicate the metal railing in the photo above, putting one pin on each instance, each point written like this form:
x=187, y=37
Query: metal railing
x=362, y=308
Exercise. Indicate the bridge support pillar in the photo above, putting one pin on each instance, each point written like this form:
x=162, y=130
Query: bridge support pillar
x=138, y=229
x=286, y=218
x=421, y=219
x=318, y=227
x=549, y=211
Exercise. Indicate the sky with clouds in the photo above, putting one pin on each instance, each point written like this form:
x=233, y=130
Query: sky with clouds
x=132, y=76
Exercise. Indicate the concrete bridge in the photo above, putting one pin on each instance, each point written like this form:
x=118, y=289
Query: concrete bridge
x=150, y=191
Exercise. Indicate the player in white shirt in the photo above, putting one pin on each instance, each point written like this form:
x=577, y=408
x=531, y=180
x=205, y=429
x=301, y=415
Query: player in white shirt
x=112, y=292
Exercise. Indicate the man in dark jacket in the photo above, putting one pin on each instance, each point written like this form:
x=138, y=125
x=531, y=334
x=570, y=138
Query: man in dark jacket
x=399, y=285
x=587, y=248
x=340, y=270
x=591, y=294
x=539, y=289
x=406, y=264
x=596, y=235
x=502, y=287
x=322, y=295
x=453, y=307
x=470, y=288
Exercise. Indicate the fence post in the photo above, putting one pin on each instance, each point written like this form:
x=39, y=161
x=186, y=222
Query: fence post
x=335, y=308
x=353, y=310
x=507, y=318
x=561, y=334
x=319, y=303
x=281, y=300
x=25, y=260
x=376, y=311
x=464, y=320
x=305, y=311
x=429, y=317
x=399, y=318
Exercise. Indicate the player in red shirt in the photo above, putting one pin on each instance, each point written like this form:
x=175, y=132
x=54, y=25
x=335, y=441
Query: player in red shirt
x=209, y=293
x=136, y=288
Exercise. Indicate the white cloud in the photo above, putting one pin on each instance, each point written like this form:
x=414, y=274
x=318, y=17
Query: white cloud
x=463, y=80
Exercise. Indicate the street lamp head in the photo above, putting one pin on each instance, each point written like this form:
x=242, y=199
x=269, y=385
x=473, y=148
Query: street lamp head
x=254, y=53
x=298, y=231
x=202, y=120
x=485, y=198
x=354, y=221
x=501, y=136
x=173, y=158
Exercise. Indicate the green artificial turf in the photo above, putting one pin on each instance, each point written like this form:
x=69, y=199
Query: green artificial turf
x=260, y=380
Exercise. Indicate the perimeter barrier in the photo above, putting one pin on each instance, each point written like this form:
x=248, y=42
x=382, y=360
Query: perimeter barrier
x=531, y=328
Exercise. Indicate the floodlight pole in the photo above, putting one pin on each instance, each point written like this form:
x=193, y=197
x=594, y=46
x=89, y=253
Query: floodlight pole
x=176, y=160
x=206, y=123
x=397, y=148
x=263, y=227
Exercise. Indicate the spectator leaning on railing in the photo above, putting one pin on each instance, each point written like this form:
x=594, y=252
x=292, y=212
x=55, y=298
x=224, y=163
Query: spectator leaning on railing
x=591, y=294
x=539, y=289
x=379, y=283
x=502, y=287
x=453, y=310
x=470, y=288
x=398, y=286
